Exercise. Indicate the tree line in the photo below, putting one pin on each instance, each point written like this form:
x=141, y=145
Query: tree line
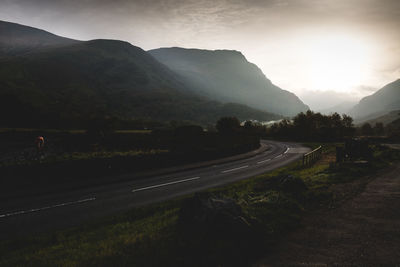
x=311, y=126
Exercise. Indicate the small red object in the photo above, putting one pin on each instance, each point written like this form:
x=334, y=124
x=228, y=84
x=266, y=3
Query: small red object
x=39, y=142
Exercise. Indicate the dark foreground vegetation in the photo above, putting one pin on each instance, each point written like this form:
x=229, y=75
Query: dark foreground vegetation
x=108, y=147
x=228, y=226
x=102, y=154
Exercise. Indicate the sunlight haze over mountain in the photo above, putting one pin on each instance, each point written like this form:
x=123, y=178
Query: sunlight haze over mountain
x=302, y=46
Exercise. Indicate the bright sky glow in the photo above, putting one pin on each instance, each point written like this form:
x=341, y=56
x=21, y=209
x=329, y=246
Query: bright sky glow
x=337, y=63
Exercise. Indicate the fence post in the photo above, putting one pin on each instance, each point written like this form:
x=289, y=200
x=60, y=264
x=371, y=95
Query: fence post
x=312, y=156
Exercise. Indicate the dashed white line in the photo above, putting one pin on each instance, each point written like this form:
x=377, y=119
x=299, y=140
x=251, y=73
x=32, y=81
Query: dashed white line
x=263, y=161
x=287, y=149
x=165, y=184
x=238, y=168
x=47, y=207
x=279, y=156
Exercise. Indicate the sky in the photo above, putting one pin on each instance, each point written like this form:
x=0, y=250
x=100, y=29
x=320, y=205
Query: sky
x=334, y=49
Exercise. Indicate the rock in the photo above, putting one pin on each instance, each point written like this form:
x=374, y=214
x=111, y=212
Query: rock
x=285, y=183
x=212, y=215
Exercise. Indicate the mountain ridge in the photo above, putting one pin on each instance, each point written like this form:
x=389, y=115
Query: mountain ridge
x=61, y=80
x=227, y=76
x=382, y=101
x=18, y=39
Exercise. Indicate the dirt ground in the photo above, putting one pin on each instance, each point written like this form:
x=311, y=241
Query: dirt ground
x=363, y=231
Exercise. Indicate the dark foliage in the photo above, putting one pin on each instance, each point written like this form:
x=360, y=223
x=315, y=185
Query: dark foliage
x=76, y=158
x=228, y=125
x=218, y=228
x=366, y=129
x=312, y=126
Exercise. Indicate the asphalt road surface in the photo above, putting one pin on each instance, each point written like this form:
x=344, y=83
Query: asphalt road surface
x=37, y=214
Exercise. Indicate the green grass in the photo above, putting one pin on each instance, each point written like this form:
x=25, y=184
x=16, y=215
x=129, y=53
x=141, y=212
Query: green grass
x=151, y=235
x=135, y=238
x=102, y=155
x=75, y=131
x=6, y=130
x=82, y=156
x=134, y=131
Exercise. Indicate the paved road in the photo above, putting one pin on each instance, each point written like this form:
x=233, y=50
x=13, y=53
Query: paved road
x=35, y=214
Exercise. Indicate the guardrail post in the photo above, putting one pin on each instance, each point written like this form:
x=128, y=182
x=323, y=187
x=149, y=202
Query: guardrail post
x=312, y=156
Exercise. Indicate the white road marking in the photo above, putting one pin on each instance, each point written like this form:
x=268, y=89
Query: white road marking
x=165, y=184
x=47, y=207
x=263, y=161
x=231, y=170
x=279, y=156
x=287, y=149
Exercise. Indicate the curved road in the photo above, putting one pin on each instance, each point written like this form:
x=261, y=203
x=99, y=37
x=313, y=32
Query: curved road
x=36, y=214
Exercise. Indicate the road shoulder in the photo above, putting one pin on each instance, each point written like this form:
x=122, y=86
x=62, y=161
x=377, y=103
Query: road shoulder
x=363, y=231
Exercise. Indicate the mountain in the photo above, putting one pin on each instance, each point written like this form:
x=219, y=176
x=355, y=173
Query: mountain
x=385, y=119
x=380, y=103
x=342, y=108
x=16, y=39
x=47, y=80
x=227, y=76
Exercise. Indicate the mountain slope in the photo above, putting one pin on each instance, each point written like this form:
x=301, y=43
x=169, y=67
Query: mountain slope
x=342, y=108
x=381, y=102
x=57, y=80
x=18, y=39
x=385, y=119
x=227, y=76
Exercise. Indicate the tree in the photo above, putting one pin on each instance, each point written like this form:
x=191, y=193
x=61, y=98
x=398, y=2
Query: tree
x=366, y=129
x=379, y=129
x=314, y=126
x=248, y=125
x=188, y=131
x=347, y=121
x=227, y=125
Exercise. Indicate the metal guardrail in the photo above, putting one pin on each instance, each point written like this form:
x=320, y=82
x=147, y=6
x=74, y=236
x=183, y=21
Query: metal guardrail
x=311, y=157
